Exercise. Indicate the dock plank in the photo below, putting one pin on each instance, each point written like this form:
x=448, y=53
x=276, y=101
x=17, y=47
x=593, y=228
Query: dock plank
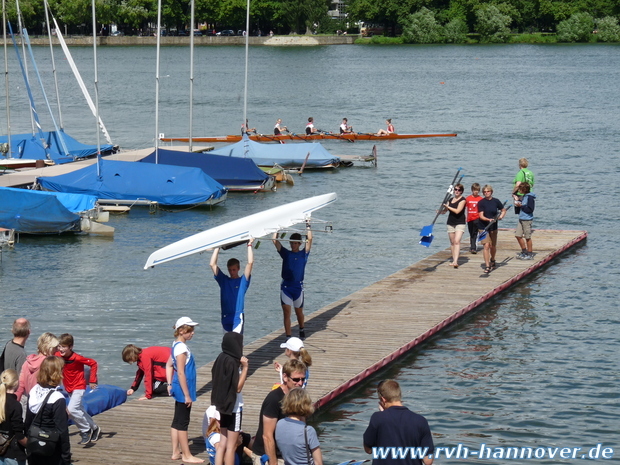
x=423, y=298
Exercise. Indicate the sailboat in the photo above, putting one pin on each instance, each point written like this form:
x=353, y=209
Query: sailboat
x=54, y=147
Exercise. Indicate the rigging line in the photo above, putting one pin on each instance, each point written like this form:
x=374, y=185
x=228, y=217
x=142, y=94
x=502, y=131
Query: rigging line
x=33, y=118
x=49, y=36
x=99, y=176
x=6, y=79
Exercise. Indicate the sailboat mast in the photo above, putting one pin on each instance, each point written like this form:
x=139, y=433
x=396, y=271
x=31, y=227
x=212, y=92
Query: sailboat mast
x=191, y=77
x=6, y=79
x=157, y=82
x=247, y=47
x=96, y=91
x=49, y=36
x=21, y=28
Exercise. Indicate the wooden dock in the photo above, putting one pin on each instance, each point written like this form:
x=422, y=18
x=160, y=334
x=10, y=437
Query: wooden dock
x=376, y=325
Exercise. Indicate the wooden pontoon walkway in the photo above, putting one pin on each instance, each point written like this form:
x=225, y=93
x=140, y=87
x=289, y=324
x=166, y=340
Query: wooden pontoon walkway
x=349, y=340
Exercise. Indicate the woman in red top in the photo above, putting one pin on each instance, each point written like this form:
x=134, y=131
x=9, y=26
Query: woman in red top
x=472, y=216
x=390, y=129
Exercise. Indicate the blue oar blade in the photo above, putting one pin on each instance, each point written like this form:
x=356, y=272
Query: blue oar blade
x=427, y=230
x=426, y=240
x=482, y=235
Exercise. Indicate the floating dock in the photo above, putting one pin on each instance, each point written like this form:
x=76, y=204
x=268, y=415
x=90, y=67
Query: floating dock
x=377, y=324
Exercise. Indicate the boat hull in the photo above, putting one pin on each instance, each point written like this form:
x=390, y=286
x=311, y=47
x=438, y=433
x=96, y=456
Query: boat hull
x=304, y=137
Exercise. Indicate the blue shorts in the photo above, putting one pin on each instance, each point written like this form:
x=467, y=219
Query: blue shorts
x=292, y=296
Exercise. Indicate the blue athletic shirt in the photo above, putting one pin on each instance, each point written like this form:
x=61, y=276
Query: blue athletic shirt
x=232, y=298
x=293, y=267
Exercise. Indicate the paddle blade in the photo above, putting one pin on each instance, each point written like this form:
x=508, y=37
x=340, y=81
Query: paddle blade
x=482, y=235
x=426, y=240
x=427, y=230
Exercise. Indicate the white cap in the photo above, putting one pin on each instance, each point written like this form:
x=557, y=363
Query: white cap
x=293, y=343
x=212, y=413
x=185, y=320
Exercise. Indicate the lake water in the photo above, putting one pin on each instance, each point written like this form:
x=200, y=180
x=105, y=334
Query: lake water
x=535, y=367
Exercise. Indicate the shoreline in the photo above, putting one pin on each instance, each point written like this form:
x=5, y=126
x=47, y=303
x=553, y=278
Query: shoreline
x=137, y=41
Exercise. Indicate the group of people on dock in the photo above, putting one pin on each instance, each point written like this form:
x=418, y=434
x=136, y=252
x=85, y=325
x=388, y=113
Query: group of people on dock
x=345, y=128
x=481, y=215
x=34, y=414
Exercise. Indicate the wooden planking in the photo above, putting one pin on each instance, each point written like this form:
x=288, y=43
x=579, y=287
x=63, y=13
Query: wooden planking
x=376, y=324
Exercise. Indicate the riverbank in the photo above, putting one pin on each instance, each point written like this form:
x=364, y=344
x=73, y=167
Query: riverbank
x=131, y=41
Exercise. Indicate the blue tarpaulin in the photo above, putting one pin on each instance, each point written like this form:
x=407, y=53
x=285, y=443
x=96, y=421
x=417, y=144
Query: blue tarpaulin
x=125, y=180
x=31, y=147
x=229, y=171
x=37, y=212
x=285, y=155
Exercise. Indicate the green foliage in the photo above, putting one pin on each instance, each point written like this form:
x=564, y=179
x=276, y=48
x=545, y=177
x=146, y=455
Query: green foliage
x=491, y=24
x=135, y=13
x=422, y=28
x=577, y=28
x=608, y=29
x=383, y=40
x=537, y=38
x=455, y=32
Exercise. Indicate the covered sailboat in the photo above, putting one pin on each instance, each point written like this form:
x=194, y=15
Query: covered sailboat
x=35, y=212
x=314, y=155
x=131, y=181
x=48, y=146
x=236, y=174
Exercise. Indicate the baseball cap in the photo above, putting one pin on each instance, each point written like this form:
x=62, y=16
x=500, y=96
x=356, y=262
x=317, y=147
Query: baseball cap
x=293, y=343
x=185, y=320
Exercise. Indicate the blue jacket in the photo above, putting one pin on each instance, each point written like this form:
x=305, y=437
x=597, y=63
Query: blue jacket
x=528, y=203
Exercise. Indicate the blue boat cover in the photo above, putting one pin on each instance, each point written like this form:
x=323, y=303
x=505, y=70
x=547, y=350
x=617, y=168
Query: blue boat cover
x=37, y=212
x=31, y=147
x=229, y=171
x=285, y=155
x=127, y=180
x=102, y=398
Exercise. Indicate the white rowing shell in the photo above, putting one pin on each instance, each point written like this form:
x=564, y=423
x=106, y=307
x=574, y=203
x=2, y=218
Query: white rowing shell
x=257, y=225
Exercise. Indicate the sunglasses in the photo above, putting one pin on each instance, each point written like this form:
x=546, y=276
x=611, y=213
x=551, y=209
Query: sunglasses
x=297, y=380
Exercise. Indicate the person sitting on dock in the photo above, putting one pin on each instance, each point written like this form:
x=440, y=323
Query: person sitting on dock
x=345, y=128
x=233, y=289
x=292, y=286
x=151, y=366
x=488, y=208
x=523, y=232
x=395, y=426
x=278, y=128
x=388, y=131
x=293, y=374
x=310, y=129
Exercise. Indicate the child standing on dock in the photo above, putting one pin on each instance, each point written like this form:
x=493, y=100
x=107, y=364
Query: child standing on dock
x=229, y=373
x=181, y=377
x=74, y=381
x=294, y=350
x=472, y=216
x=523, y=233
x=233, y=289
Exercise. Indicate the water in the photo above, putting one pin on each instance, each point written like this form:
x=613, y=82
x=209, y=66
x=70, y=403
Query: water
x=535, y=367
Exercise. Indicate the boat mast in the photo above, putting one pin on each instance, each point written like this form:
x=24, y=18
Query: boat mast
x=245, y=88
x=6, y=79
x=191, y=77
x=157, y=82
x=20, y=28
x=49, y=36
x=96, y=93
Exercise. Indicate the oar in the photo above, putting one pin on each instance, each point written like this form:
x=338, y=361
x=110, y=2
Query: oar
x=482, y=234
x=427, y=231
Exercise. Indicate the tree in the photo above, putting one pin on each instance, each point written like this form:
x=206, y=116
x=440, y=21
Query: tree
x=422, y=28
x=577, y=28
x=491, y=24
x=608, y=29
x=455, y=32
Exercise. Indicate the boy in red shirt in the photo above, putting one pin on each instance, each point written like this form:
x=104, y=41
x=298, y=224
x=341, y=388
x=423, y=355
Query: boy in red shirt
x=472, y=216
x=75, y=384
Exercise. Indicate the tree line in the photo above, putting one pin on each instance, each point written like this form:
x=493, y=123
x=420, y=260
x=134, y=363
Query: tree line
x=419, y=21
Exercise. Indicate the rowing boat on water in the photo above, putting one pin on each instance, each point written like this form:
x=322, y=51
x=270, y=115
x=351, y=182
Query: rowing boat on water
x=353, y=136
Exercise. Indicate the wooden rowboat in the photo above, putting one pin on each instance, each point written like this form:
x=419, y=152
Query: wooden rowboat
x=305, y=137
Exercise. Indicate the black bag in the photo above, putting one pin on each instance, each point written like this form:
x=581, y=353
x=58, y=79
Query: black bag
x=42, y=441
x=5, y=443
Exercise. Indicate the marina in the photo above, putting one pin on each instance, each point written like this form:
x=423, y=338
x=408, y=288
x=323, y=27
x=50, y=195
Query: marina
x=414, y=299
